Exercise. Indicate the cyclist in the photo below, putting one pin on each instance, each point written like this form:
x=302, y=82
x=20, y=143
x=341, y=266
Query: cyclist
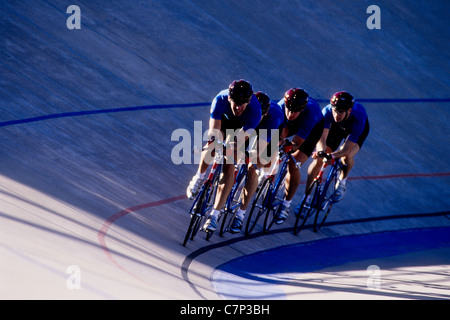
x=346, y=120
x=303, y=120
x=271, y=120
x=235, y=108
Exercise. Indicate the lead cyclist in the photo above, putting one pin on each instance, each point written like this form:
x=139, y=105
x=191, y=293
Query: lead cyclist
x=235, y=109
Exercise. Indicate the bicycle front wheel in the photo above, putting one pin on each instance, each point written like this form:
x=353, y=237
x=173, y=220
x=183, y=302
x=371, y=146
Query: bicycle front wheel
x=306, y=208
x=276, y=194
x=196, y=215
x=326, y=199
x=210, y=199
x=233, y=202
x=258, y=207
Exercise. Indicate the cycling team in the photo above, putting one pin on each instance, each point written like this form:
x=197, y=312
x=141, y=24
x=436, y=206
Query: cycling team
x=238, y=113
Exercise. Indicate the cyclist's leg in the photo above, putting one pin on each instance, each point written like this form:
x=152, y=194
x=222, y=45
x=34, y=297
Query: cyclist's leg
x=353, y=149
x=263, y=160
x=264, y=163
x=292, y=181
x=316, y=139
x=254, y=178
x=348, y=161
x=206, y=158
x=349, y=149
x=223, y=190
x=329, y=141
x=197, y=180
x=293, y=175
x=250, y=187
x=225, y=183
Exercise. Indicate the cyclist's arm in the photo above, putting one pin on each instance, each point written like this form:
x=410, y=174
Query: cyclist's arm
x=348, y=148
x=235, y=142
x=214, y=130
x=322, y=143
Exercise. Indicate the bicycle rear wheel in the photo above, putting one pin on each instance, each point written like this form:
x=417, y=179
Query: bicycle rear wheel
x=258, y=207
x=326, y=198
x=306, y=209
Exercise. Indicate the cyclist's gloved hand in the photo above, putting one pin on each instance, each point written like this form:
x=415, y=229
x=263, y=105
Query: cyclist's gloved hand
x=323, y=154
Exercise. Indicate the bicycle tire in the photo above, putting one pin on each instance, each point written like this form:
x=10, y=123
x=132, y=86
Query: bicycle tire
x=305, y=210
x=209, y=234
x=223, y=223
x=192, y=222
x=318, y=223
x=233, y=201
x=211, y=198
x=258, y=207
x=196, y=216
x=197, y=226
x=326, y=203
x=279, y=186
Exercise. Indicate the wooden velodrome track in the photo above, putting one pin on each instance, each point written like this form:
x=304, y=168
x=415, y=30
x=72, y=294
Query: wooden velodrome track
x=88, y=187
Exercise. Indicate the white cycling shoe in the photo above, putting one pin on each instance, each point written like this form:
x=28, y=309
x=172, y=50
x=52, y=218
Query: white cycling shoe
x=194, y=187
x=210, y=224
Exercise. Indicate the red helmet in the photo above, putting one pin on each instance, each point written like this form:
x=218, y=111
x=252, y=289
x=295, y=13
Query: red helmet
x=296, y=99
x=342, y=100
x=264, y=101
x=240, y=91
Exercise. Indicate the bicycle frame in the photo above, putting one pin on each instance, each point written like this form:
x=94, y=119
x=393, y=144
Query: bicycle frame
x=234, y=203
x=316, y=199
x=204, y=201
x=335, y=166
x=324, y=201
x=212, y=177
x=271, y=202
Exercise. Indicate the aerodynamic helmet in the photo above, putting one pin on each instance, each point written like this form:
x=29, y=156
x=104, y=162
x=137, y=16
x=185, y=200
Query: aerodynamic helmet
x=240, y=91
x=296, y=99
x=342, y=100
x=264, y=101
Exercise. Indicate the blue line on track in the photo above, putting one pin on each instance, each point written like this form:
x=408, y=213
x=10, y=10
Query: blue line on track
x=185, y=105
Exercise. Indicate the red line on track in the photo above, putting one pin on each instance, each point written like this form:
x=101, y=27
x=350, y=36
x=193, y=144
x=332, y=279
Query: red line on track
x=107, y=224
x=402, y=175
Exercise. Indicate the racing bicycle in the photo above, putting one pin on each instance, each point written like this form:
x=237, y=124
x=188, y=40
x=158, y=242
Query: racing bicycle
x=204, y=201
x=234, y=199
x=271, y=193
x=318, y=199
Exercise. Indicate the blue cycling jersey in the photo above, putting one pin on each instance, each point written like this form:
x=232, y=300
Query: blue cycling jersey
x=272, y=121
x=306, y=121
x=248, y=120
x=353, y=125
